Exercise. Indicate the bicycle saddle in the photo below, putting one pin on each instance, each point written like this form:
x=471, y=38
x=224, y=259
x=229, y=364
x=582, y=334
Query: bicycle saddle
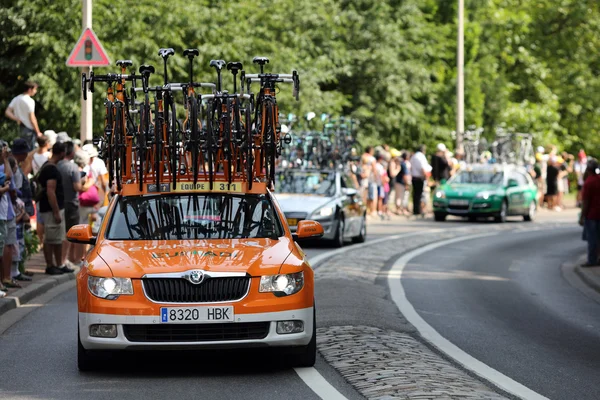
x=234, y=66
x=146, y=69
x=124, y=63
x=190, y=53
x=218, y=64
x=260, y=60
x=165, y=53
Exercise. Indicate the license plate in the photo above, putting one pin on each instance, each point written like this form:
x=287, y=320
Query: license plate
x=190, y=315
x=459, y=202
x=292, y=221
x=234, y=187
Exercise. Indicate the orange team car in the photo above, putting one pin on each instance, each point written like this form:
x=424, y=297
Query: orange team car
x=194, y=251
x=150, y=282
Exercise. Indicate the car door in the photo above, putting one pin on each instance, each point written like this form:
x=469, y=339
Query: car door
x=529, y=191
x=351, y=206
x=516, y=194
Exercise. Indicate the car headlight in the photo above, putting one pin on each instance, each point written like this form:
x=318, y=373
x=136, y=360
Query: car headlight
x=282, y=285
x=323, y=212
x=440, y=194
x=483, y=195
x=109, y=288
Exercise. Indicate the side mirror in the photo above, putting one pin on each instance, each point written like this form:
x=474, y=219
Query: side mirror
x=512, y=183
x=349, y=192
x=81, y=234
x=307, y=229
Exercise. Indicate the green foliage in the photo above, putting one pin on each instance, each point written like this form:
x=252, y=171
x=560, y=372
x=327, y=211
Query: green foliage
x=529, y=64
x=32, y=244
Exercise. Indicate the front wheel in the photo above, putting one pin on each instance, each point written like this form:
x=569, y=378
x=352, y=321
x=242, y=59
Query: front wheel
x=440, y=217
x=306, y=356
x=501, y=217
x=362, y=237
x=85, y=358
x=338, y=240
x=530, y=216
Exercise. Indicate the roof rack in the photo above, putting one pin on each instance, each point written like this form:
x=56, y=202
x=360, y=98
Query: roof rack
x=227, y=141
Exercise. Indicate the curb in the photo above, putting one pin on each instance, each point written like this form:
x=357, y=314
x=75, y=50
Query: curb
x=25, y=295
x=588, y=277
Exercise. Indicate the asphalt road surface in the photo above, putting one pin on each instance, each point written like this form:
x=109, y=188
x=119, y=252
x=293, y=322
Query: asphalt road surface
x=503, y=300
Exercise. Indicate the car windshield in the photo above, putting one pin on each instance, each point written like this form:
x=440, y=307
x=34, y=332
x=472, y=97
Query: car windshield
x=478, y=177
x=306, y=182
x=194, y=216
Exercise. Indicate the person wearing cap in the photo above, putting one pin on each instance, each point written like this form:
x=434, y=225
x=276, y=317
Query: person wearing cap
x=63, y=137
x=22, y=110
x=97, y=170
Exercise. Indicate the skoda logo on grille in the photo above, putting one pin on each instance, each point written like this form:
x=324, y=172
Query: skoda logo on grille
x=196, y=277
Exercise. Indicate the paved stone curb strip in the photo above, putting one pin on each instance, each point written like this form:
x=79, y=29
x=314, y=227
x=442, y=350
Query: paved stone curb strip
x=384, y=364
x=591, y=276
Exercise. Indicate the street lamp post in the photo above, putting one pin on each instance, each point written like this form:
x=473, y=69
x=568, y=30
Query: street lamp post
x=460, y=79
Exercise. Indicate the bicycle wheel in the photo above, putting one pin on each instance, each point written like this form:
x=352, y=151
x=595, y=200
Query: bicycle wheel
x=210, y=144
x=173, y=145
x=249, y=146
x=227, y=143
x=193, y=117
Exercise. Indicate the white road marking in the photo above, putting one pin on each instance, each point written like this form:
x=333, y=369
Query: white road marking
x=315, y=381
x=432, y=336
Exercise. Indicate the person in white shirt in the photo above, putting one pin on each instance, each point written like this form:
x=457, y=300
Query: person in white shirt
x=420, y=171
x=22, y=110
x=98, y=172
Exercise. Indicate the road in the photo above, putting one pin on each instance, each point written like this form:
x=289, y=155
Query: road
x=503, y=300
x=39, y=351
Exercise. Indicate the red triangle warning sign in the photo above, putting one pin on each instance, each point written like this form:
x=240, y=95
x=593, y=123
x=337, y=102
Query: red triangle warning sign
x=88, y=52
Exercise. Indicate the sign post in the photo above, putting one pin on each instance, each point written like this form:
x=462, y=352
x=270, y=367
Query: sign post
x=88, y=52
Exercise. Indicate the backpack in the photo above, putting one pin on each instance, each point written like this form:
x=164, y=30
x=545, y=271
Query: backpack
x=36, y=186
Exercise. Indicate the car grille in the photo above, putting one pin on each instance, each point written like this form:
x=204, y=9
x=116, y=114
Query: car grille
x=196, y=332
x=212, y=290
x=459, y=207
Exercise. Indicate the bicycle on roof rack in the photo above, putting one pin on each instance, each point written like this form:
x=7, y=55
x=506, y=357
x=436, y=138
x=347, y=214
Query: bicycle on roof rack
x=145, y=144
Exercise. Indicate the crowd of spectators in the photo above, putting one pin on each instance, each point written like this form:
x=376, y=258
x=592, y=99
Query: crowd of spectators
x=51, y=186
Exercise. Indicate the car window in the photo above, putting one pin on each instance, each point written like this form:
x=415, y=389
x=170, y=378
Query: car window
x=305, y=182
x=194, y=216
x=478, y=177
x=522, y=179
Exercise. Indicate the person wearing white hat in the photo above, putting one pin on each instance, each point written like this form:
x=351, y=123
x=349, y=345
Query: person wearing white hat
x=98, y=172
x=440, y=164
x=51, y=135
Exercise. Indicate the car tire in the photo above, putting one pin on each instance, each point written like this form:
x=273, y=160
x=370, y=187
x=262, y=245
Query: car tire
x=530, y=216
x=501, y=217
x=362, y=237
x=338, y=240
x=86, y=360
x=306, y=356
x=440, y=217
x=472, y=218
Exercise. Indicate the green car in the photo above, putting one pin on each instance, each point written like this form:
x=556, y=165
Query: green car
x=487, y=191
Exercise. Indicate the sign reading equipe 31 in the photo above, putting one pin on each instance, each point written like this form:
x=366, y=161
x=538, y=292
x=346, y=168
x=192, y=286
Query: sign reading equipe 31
x=88, y=52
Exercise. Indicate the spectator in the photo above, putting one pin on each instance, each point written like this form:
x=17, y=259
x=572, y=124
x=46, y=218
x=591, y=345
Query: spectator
x=51, y=206
x=41, y=155
x=72, y=186
x=97, y=167
x=22, y=110
x=21, y=217
x=590, y=213
x=420, y=171
x=580, y=167
x=19, y=151
x=8, y=227
x=369, y=185
x=552, y=171
x=402, y=186
x=383, y=185
x=440, y=164
x=536, y=174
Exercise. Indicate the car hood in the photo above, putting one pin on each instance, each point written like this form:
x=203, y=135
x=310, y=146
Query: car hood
x=134, y=259
x=467, y=189
x=301, y=202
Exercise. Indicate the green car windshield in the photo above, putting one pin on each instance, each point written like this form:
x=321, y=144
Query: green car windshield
x=478, y=177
